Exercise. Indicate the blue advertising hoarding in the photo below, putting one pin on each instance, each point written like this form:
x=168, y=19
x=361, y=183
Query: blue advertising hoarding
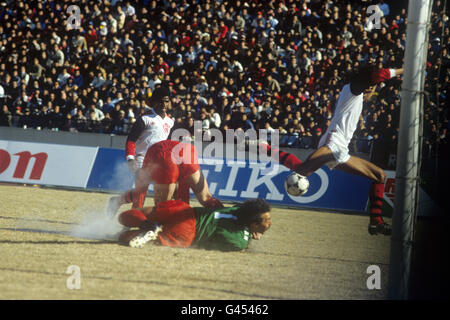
x=238, y=180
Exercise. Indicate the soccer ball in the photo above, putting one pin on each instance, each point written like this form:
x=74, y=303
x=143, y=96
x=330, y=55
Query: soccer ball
x=296, y=185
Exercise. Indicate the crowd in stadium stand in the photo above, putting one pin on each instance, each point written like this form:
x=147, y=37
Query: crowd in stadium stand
x=230, y=64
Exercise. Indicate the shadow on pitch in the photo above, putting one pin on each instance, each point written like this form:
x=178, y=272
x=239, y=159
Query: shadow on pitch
x=35, y=220
x=63, y=233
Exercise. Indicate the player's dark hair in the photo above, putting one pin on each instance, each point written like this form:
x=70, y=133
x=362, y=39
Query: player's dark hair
x=361, y=79
x=251, y=210
x=159, y=93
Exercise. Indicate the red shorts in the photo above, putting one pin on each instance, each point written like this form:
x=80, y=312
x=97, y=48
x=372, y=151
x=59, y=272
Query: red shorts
x=178, y=220
x=168, y=161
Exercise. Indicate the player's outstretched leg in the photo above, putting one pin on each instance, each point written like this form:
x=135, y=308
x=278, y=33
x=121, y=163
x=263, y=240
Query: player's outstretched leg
x=361, y=167
x=131, y=196
x=286, y=159
x=377, y=224
x=135, y=196
x=315, y=161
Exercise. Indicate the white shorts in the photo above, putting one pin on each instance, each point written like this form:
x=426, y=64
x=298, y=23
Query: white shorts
x=338, y=146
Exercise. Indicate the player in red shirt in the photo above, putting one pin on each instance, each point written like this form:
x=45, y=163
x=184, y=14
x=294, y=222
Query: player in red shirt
x=176, y=224
x=168, y=163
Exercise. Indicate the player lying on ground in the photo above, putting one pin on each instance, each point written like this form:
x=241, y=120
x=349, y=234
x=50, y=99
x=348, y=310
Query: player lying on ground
x=148, y=129
x=333, y=146
x=174, y=223
x=167, y=163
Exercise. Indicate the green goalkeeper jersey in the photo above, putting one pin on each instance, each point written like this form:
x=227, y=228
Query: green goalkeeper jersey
x=217, y=229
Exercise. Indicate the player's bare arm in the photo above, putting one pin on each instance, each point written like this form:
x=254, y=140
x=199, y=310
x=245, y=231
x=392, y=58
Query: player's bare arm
x=368, y=94
x=399, y=72
x=197, y=182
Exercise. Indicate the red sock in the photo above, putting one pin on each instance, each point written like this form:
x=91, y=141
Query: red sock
x=139, y=199
x=135, y=197
x=132, y=218
x=286, y=159
x=376, y=202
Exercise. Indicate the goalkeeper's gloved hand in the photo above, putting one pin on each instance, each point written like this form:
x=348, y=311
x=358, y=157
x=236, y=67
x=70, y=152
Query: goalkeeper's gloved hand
x=213, y=203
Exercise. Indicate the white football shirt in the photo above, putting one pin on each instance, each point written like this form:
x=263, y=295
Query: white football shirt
x=156, y=130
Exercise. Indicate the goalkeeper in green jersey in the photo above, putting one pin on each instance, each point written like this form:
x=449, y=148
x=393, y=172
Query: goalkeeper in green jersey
x=174, y=223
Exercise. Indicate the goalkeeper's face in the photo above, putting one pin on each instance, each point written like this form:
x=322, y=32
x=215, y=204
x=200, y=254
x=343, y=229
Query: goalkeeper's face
x=258, y=228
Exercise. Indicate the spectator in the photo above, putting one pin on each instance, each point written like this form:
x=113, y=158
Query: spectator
x=92, y=122
x=384, y=8
x=120, y=124
x=80, y=121
x=94, y=113
x=5, y=116
x=106, y=124
x=57, y=56
x=290, y=58
x=246, y=123
x=63, y=77
x=55, y=119
x=214, y=118
x=272, y=85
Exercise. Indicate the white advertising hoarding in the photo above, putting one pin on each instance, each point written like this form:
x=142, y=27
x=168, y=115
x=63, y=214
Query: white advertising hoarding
x=47, y=164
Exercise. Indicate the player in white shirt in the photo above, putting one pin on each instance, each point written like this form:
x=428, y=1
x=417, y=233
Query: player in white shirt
x=333, y=146
x=148, y=136
x=149, y=129
x=145, y=132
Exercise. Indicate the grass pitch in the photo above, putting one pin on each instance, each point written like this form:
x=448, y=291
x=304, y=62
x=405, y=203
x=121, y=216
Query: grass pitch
x=305, y=255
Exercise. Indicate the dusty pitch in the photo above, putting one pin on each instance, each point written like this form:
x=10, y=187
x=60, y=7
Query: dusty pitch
x=305, y=255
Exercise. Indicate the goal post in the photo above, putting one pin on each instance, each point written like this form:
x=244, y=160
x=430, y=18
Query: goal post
x=408, y=164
